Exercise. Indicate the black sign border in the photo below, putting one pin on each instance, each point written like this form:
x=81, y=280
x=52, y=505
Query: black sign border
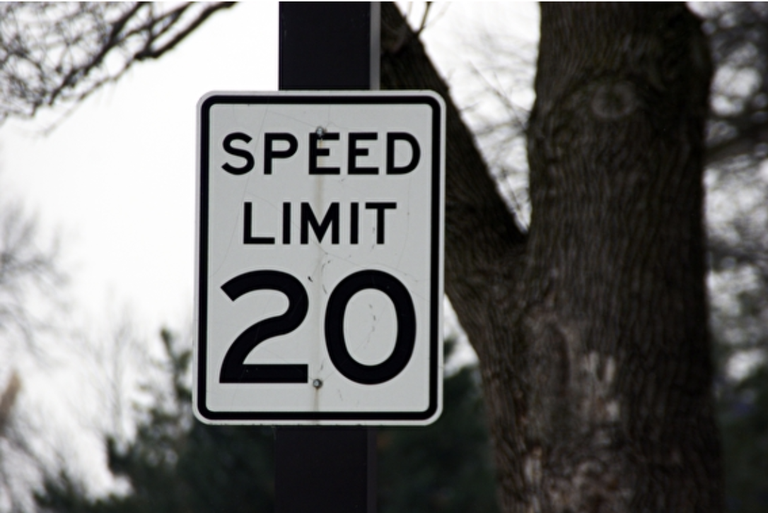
x=435, y=334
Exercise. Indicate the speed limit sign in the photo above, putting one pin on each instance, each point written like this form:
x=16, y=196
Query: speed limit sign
x=319, y=258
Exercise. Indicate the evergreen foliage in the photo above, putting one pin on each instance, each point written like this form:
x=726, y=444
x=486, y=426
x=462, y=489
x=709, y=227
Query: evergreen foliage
x=744, y=423
x=445, y=467
x=178, y=465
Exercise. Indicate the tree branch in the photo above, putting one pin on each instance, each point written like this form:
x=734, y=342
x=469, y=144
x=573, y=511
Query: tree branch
x=743, y=143
x=483, y=242
x=157, y=52
x=54, y=53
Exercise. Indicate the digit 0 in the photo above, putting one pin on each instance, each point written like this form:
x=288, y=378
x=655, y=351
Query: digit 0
x=334, y=327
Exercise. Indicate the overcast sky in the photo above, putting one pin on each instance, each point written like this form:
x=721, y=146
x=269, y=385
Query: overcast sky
x=117, y=177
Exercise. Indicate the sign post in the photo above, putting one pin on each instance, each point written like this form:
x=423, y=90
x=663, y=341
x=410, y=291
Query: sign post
x=317, y=41
x=319, y=265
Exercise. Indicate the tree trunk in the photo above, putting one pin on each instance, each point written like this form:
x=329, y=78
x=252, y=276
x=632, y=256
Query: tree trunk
x=591, y=330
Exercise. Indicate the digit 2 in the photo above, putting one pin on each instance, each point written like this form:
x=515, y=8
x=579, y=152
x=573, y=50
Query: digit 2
x=234, y=369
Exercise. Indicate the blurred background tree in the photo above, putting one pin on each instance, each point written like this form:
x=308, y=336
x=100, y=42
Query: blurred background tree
x=58, y=53
x=737, y=215
x=175, y=464
x=30, y=293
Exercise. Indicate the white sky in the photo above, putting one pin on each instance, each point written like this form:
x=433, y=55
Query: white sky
x=118, y=176
x=116, y=179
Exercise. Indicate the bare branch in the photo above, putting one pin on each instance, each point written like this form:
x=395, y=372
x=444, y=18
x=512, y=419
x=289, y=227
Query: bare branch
x=8, y=400
x=59, y=53
x=185, y=32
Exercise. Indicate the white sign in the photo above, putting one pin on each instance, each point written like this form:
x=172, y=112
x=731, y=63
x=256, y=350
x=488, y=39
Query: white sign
x=320, y=258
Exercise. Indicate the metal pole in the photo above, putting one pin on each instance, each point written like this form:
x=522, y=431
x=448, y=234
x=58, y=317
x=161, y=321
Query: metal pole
x=327, y=46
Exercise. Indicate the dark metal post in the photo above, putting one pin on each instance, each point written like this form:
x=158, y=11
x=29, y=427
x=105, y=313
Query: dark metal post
x=327, y=46
x=325, y=470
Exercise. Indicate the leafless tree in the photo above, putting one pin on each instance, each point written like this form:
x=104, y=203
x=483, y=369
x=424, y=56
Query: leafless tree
x=28, y=267
x=738, y=39
x=61, y=52
x=737, y=179
x=590, y=326
x=29, y=280
x=737, y=144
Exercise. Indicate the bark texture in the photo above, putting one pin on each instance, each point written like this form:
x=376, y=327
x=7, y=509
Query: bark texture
x=591, y=330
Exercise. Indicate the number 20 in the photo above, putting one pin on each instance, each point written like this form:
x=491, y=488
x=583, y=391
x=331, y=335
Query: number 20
x=235, y=370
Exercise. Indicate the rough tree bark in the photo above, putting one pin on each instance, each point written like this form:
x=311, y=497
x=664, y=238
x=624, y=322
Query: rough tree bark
x=591, y=330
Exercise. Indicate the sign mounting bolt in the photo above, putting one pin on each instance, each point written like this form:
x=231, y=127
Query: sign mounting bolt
x=317, y=383
x=320, y=131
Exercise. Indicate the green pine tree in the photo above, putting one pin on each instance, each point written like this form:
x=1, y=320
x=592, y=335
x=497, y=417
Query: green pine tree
x=176, y=464
x=445, y=467
x=744, y=423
